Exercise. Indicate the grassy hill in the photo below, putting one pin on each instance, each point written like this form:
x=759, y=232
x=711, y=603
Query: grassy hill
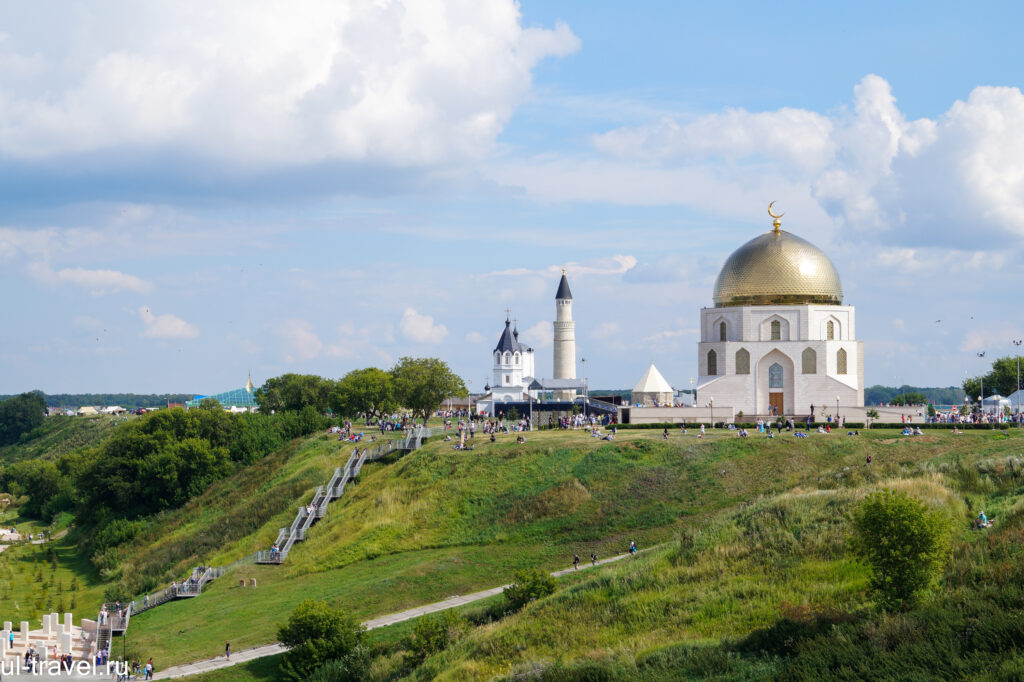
x=762, y=524
x=60, y=436
x=440, y=522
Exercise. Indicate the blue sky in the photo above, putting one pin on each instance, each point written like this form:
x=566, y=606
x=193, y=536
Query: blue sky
x=193, y=191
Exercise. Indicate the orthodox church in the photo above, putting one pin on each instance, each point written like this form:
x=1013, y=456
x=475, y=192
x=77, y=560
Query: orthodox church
x=779, y=340
x=513, y=367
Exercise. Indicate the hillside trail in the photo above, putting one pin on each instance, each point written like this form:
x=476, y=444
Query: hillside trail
x=219, y=662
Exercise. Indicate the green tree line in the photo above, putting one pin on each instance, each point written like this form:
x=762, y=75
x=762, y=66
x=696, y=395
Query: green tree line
x=951, y=395
x=419, y=385
x=127, y=400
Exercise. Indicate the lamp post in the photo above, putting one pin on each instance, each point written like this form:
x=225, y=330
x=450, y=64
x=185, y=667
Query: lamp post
x=469, y=404
x=584, y=361
x=711, y=407
x=1017, y=343
x=837, y=410
x=981, y=398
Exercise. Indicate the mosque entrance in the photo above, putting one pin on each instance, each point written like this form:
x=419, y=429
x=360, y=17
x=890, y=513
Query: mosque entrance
x=775, y=403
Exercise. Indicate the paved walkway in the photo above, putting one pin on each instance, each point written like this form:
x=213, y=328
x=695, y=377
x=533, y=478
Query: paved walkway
x=372, y=624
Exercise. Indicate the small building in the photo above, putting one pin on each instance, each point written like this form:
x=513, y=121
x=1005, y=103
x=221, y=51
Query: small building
x=652, y=390
x=87, y=411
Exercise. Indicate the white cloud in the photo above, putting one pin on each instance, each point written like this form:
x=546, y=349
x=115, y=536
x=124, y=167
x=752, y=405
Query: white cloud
x=407, y=82
x=475, y=337
x=166, y=326
x=866, y=167
x=799, y=137
x=540, y=335
x=301, y=342
x=605, y=329
x=421, y=328
x=98, y=282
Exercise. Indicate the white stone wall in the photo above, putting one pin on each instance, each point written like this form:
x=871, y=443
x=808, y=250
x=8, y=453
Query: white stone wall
x=801, y=327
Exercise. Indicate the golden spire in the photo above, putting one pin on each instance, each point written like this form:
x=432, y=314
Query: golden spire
x=248, y=384
x=563, y=269
x=776, y=223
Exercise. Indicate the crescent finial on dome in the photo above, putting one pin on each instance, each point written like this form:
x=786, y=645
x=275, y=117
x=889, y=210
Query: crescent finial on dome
x=776, y=223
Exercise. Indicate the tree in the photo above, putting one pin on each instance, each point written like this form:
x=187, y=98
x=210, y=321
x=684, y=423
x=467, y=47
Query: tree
x=422, y=384
x=904, y=541
x=528, y=585
x=21, y=414
x=909, y=398
x=315, y=634
x=367, y=391
x=1001, y=379
x=292, y=392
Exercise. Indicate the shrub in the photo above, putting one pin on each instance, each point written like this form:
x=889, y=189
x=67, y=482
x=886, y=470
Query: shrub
x=904, y=541
x=316, y=634
x=528, y=585
x=432, y=634
x=351, y=668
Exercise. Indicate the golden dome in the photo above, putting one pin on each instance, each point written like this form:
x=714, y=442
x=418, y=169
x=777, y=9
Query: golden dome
x=777, y=268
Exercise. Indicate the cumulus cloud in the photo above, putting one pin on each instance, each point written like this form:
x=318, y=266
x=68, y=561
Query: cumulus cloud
x=421, y=328
x=867, y=166
x=300, y=341
x=97, y=282
x=540, y=335
x=166, y=326
x=406, y=82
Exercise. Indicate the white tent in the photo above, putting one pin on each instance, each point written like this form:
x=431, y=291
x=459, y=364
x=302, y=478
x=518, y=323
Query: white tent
x=87, y=410
x=1016, y=398
x=652, y=389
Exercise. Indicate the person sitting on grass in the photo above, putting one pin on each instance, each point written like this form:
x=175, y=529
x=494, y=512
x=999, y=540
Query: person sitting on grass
x=520, y=439
x=609, y=436
x=982, y=521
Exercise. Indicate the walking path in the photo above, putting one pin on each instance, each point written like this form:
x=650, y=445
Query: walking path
x=209, y=664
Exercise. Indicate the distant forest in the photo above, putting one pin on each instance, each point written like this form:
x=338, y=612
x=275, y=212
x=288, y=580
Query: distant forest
x=952, y=395
x=127, y=400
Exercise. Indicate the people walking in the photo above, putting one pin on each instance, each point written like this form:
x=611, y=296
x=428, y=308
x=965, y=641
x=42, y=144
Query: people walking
x=593, y=559
x=576, y=561
x=227, y=650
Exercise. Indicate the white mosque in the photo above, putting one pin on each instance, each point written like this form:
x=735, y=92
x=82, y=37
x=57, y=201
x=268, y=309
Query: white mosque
x=779, y=340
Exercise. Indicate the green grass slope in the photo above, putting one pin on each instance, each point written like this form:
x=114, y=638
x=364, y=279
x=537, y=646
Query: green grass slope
x=60, y=436
x=440, y=522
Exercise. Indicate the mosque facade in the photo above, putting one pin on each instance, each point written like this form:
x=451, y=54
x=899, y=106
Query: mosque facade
x=778, y=340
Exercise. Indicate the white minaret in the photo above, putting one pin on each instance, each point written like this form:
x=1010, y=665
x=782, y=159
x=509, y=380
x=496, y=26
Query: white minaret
x=565, y=336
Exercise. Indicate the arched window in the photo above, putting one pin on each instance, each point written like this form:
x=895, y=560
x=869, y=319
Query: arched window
x=776, y=330
x=810, y=359
x=721, y=331
x=841, y=361
x=497, y=358
x=775, y=376
x=712, y=363
x=516, y=359
x=743, y=361
x=830, y=330
x=508, y=358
